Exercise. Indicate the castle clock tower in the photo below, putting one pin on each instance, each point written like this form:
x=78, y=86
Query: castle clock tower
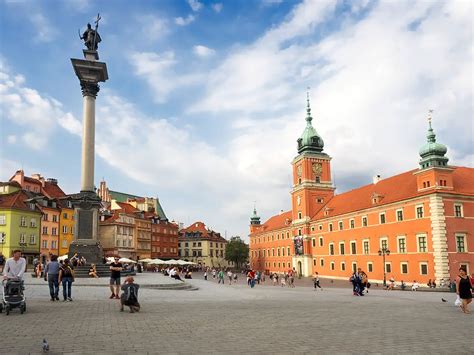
x=312, y=189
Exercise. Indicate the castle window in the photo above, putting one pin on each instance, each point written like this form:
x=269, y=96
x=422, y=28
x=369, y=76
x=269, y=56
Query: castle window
x=419, y=211
x=460, y=243
x=341, y=227
x=343, y=266
x=382, y=218
x=404, y=268
x=321, y=241
x=332, y=265
x=300, y=215
x=352, y=224
x=321, y=262
x=458, y=212
x=318, y=179
x=400, y=215
x=402, y=245
x=364, y=221
x=313, y=241
x=299, y=231
x=353, y=248
x=330, y=227
x=320, y=200
x=299, y=181
x=421, y=243
x=369, y=267
x=342, y=249
x=366, y=247
x=320, y=227
x=331, y=249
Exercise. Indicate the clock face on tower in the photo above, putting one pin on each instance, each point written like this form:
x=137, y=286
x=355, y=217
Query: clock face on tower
x=317, y=168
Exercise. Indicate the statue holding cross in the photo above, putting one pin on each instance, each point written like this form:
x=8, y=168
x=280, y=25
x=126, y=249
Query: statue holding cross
x=90, y=36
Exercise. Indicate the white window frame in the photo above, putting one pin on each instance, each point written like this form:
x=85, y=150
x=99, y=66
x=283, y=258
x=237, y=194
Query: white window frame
x=427, y=269
x=344, y=244
x=396, y=215
x=380, y=242
x=313, y=242
x=371, y=269
x=363, y=246
x=340, y=225
x=366, y=221
x=321, y=241
x=456, y=236
x=418, y=236
x=401, y=267
x=461, y=210
x=3, y=220
x=32, y=239
x=314, y=262
x=384, y=218
x=398, y=244
x=391, y=269
x=351, y=242
x=329, y=249
x=422, y=211
x=354, y=266
x=343, y=266
x=330, y=227
x=44, y=244
x=320, y=227
x=332, y=266
x=22, y=238
x=352, y=223
x=321, y=262
x=23, y=221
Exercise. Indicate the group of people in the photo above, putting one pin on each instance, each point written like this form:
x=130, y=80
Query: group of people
x=360, y=282
x=285, y=279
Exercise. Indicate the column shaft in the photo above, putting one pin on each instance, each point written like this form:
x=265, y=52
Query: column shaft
x=88, y=142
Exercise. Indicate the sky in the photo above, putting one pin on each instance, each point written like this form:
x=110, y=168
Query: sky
x=206, y=99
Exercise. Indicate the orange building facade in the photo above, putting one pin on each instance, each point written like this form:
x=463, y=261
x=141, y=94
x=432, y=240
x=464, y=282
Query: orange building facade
x=423, y=219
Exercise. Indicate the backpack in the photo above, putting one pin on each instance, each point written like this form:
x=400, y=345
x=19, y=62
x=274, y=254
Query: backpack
x=131, y=295
x=67, y=271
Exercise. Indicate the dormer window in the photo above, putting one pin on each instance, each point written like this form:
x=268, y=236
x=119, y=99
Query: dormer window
x=32, y=206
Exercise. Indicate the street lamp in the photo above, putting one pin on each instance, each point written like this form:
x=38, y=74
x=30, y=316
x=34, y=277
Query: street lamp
x=382, y=252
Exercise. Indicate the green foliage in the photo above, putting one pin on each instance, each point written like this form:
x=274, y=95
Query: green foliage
x=237, y=251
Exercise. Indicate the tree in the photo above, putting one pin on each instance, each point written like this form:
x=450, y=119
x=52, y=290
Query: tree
x=237, y=251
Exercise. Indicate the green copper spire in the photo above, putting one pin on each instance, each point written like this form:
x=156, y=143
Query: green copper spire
x=432, y=154
x=254, y=219
x=310, y=139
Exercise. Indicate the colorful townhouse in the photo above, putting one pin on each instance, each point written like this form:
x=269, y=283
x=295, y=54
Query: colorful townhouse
x=203, y=246
x=417, y=225
x=58, y=223
x=20, y=219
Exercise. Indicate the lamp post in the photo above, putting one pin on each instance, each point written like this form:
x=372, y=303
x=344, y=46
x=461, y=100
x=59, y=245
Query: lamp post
x=382, y=252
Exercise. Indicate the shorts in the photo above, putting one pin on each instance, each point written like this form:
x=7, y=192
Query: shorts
x=115, y=280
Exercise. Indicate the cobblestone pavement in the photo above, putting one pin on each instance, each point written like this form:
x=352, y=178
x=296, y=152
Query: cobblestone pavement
x=236, y=319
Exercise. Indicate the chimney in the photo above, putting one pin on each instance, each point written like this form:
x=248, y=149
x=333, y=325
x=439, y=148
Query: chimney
x=281, y=212
x=376, y=179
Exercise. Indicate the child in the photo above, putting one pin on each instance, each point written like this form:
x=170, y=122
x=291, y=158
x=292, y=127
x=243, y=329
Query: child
x=129, y=296
x=316, y=281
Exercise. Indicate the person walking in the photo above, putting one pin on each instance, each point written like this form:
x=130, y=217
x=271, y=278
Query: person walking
x=15, y=267
x=464, y=289
x=51, y=274
x=66, y=278
x=220, y=277
x=205, y=274
x=229, y=275
x=316, y=281
x=115, y=272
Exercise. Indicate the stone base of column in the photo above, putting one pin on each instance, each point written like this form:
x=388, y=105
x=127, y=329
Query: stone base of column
x=91, y=250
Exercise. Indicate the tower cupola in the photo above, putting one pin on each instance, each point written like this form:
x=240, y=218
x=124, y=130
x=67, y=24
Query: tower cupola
x=255, y=219
x=310, y=140
x=432, y=153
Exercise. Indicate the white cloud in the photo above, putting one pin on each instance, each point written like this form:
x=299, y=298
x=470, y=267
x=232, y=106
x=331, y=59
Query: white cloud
x=203, y=51
x=184, y=21
x=25, y=107
x=11, y=139
x=154, y=27
x=195, y=5
x=217, y=7
x=45, y=31
x=158, y=71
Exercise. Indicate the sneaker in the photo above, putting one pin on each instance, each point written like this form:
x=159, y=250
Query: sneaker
x=69, y=299
x=52, y=299
x=112, y=296
x=65, y=300
x=57, y=298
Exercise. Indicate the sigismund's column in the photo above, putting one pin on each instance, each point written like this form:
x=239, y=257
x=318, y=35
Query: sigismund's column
x=86, y=203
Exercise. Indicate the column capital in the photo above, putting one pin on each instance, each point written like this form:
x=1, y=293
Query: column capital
x=89, y=89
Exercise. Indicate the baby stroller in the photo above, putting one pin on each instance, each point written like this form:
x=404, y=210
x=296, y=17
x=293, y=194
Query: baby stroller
x=13, y=296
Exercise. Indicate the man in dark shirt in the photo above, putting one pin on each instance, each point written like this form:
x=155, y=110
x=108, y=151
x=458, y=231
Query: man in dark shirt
x=115, y=269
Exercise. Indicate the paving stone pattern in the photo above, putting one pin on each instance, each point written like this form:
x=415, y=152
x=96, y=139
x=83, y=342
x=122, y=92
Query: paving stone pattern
x=235, y=319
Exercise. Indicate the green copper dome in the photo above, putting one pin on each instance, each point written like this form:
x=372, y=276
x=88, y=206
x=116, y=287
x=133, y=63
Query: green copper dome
x=310, y=140
x=432, y=153
x=254, y=219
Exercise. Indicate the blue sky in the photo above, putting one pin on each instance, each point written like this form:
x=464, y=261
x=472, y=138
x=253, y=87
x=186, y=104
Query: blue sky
x=205, y=99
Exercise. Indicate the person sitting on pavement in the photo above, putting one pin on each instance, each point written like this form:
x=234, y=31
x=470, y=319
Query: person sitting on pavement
x=415, y=286
x=93, y=271
x=391, y=285
x=129, y=296
x=403, y=285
